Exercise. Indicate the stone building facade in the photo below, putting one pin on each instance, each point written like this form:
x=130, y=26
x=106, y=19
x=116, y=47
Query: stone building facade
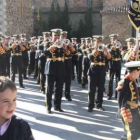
x=77, y=10
x=17, y=17
x=109, y=16
x=115, y=20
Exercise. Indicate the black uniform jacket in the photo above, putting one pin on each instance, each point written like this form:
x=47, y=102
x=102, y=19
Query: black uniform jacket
x=96, y=70
x=17, y=130
x=129, y=92
x=56, y=68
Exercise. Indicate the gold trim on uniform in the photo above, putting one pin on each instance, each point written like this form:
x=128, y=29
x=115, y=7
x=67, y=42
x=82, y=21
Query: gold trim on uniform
x=16, y=54
x=116, y=59
x=67, y=57
x=132, y=104
x=56, y=59
x=99, y=63
x=132, y=92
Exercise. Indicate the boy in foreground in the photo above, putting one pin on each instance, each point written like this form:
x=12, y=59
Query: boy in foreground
x=11, y=127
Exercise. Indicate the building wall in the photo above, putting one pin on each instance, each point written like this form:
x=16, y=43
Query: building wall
x=108, y=4
x=113, y=23
x=74, y=19
x=97, y=21
x=18, y=17
x=71, y=3
x=2, y=15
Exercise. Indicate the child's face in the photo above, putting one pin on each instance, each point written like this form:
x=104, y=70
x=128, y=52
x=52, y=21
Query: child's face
x=7, y=104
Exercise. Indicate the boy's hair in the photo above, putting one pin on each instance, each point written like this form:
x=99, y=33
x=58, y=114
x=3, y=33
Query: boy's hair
x=6, y=83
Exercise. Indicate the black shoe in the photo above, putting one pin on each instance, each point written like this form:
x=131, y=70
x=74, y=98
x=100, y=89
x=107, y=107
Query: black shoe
x=79, y=82
x=108, y=98
x=124, y=137
x=58, y=109
x=25, y=77
x=90, y=109
x=73, y=78
x=100, y=108
x=22, y=86
x=69, y=99
x=83, y=86
x=49, y=111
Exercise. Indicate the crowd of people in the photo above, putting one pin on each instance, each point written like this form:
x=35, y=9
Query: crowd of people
x=55, y=61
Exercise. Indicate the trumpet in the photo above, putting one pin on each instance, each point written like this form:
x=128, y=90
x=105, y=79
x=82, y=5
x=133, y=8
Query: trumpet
x=48, y=40
x=109, y=47
x=17, y=42
x=1, y=40
x=100, y=48
x=59, y=43
x=66, y=41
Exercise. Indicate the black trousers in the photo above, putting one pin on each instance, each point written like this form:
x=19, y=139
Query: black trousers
x=84, y=76
x=132, y=129
x=14, y=68
x=31, y=68
x=24, y=69
x=67, y=82
x=36, y=68
x=79, y=76
x=42, y=80
x=50, y=81
x=8, y=66
x=112, y=73
x=95, y=82
x=74, y=64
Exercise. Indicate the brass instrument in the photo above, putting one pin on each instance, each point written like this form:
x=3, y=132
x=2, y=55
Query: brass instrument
x=100, y=48
x=1, y=39
x=6, y=48
x=66, y=41
x=128, y=55
x=59, y=43
x=109, y=47
x=46, y=41
x=2, y=51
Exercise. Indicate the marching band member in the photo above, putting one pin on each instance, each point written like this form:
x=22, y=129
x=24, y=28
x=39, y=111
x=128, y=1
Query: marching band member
x=55, y=71
x=114, y=64
x=17, y=59
x=97, y=73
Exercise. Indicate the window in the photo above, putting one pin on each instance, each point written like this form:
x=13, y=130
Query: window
x=89, y=2
x=54, y=1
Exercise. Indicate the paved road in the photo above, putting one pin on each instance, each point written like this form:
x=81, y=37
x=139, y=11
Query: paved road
x=73, y=124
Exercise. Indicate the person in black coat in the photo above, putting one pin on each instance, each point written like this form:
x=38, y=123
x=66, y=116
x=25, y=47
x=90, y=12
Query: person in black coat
x=97, y=73
x=68, y=65
x=129, y=101
x=14, y=128
x=16, y=59
x=55, y=71
x=74, y=59
x=114, y=64
x=31, y=55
